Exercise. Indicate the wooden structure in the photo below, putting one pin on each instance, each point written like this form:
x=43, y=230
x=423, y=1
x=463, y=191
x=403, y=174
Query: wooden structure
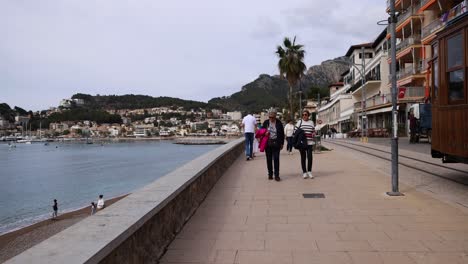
x=449, y=93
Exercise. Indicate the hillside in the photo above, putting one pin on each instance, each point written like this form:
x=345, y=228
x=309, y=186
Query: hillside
x=131, y=101
x=271, y=91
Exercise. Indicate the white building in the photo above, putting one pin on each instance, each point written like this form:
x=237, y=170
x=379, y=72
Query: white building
x=235, y=115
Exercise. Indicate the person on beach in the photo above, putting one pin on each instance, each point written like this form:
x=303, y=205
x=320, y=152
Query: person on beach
x=249, y=123
x=55, y=208
x=288, y=132
x=93, y=208
x=274, y=145
x=306, y=153
x=100, y=203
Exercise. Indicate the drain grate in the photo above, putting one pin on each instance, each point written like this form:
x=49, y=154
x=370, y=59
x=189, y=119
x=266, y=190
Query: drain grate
x=313, y=195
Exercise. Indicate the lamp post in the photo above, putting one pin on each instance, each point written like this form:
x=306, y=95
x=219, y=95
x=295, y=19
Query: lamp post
x=392, y=23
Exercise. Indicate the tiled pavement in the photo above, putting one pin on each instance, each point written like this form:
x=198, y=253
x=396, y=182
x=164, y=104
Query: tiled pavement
x=248, y=219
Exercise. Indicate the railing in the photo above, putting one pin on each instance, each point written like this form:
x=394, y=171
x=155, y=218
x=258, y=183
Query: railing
x=414, y=40
x=432, y=27
x=375, y=100
x=407, y=13
x=414, y=91
x=409, y=70
x=458, y=10
x=423, y=3
x=424, y=64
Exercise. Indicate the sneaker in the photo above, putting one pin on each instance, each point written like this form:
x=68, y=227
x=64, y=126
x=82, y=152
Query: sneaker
x=305, y=175
x=310, y=174
x=248, y=158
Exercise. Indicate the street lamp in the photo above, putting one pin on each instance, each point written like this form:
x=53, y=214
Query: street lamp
x=392, y=23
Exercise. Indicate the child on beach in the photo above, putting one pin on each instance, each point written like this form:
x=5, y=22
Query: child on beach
x=55, y=208
x=93, y=208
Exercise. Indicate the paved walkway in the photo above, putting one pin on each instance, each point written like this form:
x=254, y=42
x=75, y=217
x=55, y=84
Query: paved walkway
x=248, y=219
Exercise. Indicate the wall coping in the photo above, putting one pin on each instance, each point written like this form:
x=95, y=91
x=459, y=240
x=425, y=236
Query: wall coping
x=95, y=237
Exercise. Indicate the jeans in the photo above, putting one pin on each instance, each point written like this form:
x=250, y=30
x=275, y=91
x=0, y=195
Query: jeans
x=306, y=152
x=249, y=138
x=289, y=146
x=272, y=156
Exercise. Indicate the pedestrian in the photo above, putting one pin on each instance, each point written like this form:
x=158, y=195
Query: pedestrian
x=306, y=153
x=55, y=208
x=274, y=145
x=288, y=132
x=93, y=208
x=249, y=123
x=100, y=203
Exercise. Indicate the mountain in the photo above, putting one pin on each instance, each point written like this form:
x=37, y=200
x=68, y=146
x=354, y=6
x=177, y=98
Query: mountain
x=271, y=91
x=131, y=101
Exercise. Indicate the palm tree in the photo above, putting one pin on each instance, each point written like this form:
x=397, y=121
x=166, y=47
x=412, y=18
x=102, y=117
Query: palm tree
x=291, y=65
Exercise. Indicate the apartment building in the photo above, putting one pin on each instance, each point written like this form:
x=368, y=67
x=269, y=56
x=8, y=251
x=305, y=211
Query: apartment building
x=337, y=111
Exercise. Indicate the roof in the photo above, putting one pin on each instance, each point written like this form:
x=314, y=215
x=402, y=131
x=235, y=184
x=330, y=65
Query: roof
x=379, y=39
x=358, y=46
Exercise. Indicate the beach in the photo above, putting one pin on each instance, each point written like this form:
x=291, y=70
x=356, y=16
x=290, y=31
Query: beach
x=14, y=243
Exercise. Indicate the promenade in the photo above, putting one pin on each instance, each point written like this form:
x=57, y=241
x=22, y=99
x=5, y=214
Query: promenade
x=248, y=219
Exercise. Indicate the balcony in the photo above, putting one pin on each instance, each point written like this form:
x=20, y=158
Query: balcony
x=433, y=27
x=458, y=10
x=408, y=71
x=413, y=92
x=423, y=3
x=414, y=40
x=406, y=14
x=374, y=101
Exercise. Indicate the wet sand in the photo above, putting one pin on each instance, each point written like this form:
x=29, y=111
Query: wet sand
x=14, y=243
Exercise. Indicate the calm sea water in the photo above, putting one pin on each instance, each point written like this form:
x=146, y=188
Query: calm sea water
x=31, y=176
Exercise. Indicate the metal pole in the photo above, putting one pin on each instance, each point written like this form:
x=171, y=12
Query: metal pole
x=392, y=23
x=300, y=97
x=363, y=81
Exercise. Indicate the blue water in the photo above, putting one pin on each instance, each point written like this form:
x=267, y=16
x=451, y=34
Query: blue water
x=31, y=176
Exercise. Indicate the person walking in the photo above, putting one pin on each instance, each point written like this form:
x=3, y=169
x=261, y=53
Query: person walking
x=100, y=203
x=288, y=132
x=274, y=145
x=306, y=153
x=249, y=123
x=55, y=208
x=93, y=208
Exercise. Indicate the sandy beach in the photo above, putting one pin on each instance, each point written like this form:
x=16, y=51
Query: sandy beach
x=13, y=243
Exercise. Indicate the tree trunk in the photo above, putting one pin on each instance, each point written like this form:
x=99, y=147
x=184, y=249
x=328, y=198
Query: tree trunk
x=291, y=102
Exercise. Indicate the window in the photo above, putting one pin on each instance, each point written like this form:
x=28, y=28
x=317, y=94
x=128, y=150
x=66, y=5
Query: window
x=455, y=68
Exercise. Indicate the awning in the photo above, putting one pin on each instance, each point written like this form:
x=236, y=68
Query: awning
x=376, y=111
x=344, y=118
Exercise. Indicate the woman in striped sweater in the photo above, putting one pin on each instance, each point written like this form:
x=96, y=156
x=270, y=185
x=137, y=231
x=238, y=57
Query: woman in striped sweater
x=309, y=130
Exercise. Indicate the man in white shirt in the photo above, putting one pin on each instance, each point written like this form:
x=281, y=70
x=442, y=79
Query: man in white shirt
x=249, y=123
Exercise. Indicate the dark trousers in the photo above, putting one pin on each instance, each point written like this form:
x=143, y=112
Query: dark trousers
x=249, y=138
x=289, y=146
x=272, y=156
x=306, y=153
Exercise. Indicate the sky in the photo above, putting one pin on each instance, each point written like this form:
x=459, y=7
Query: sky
x=197, y=50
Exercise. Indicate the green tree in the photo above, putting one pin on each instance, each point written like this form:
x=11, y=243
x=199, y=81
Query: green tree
x=291, y=65
x=66, y=132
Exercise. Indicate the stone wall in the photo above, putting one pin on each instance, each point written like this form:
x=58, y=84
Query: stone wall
x=138, y=228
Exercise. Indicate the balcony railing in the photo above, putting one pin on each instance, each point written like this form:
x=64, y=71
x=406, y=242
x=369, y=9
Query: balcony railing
x=424, y=64
x=414, y=40
x=375, y=100
x=432, y=27
x=409, y=70
x=407, y=13
x=414, y=91
x=458, y=10
x=423, y=3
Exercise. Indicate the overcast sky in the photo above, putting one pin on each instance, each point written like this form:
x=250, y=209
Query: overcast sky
x=196, y=50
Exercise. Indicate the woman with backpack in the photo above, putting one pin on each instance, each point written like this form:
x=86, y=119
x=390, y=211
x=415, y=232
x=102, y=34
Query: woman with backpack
x=308, y=128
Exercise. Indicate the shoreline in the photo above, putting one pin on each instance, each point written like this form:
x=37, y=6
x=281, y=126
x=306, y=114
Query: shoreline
x=19, y=240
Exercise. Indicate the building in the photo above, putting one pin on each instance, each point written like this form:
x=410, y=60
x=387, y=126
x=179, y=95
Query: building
x=58, y=127
x=235, y=115
x=66, y=103
x=143, y=130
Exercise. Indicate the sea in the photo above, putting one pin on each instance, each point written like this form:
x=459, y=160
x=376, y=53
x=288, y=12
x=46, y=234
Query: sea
x=33, y=175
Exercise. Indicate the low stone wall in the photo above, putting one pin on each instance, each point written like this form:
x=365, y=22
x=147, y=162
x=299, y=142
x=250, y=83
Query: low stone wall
x=138, y=228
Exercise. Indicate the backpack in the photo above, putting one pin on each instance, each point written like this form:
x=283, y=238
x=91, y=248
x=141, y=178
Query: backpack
x=299, y=140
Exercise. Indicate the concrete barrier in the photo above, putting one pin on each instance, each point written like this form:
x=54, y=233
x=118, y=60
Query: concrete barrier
x=138, y=228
